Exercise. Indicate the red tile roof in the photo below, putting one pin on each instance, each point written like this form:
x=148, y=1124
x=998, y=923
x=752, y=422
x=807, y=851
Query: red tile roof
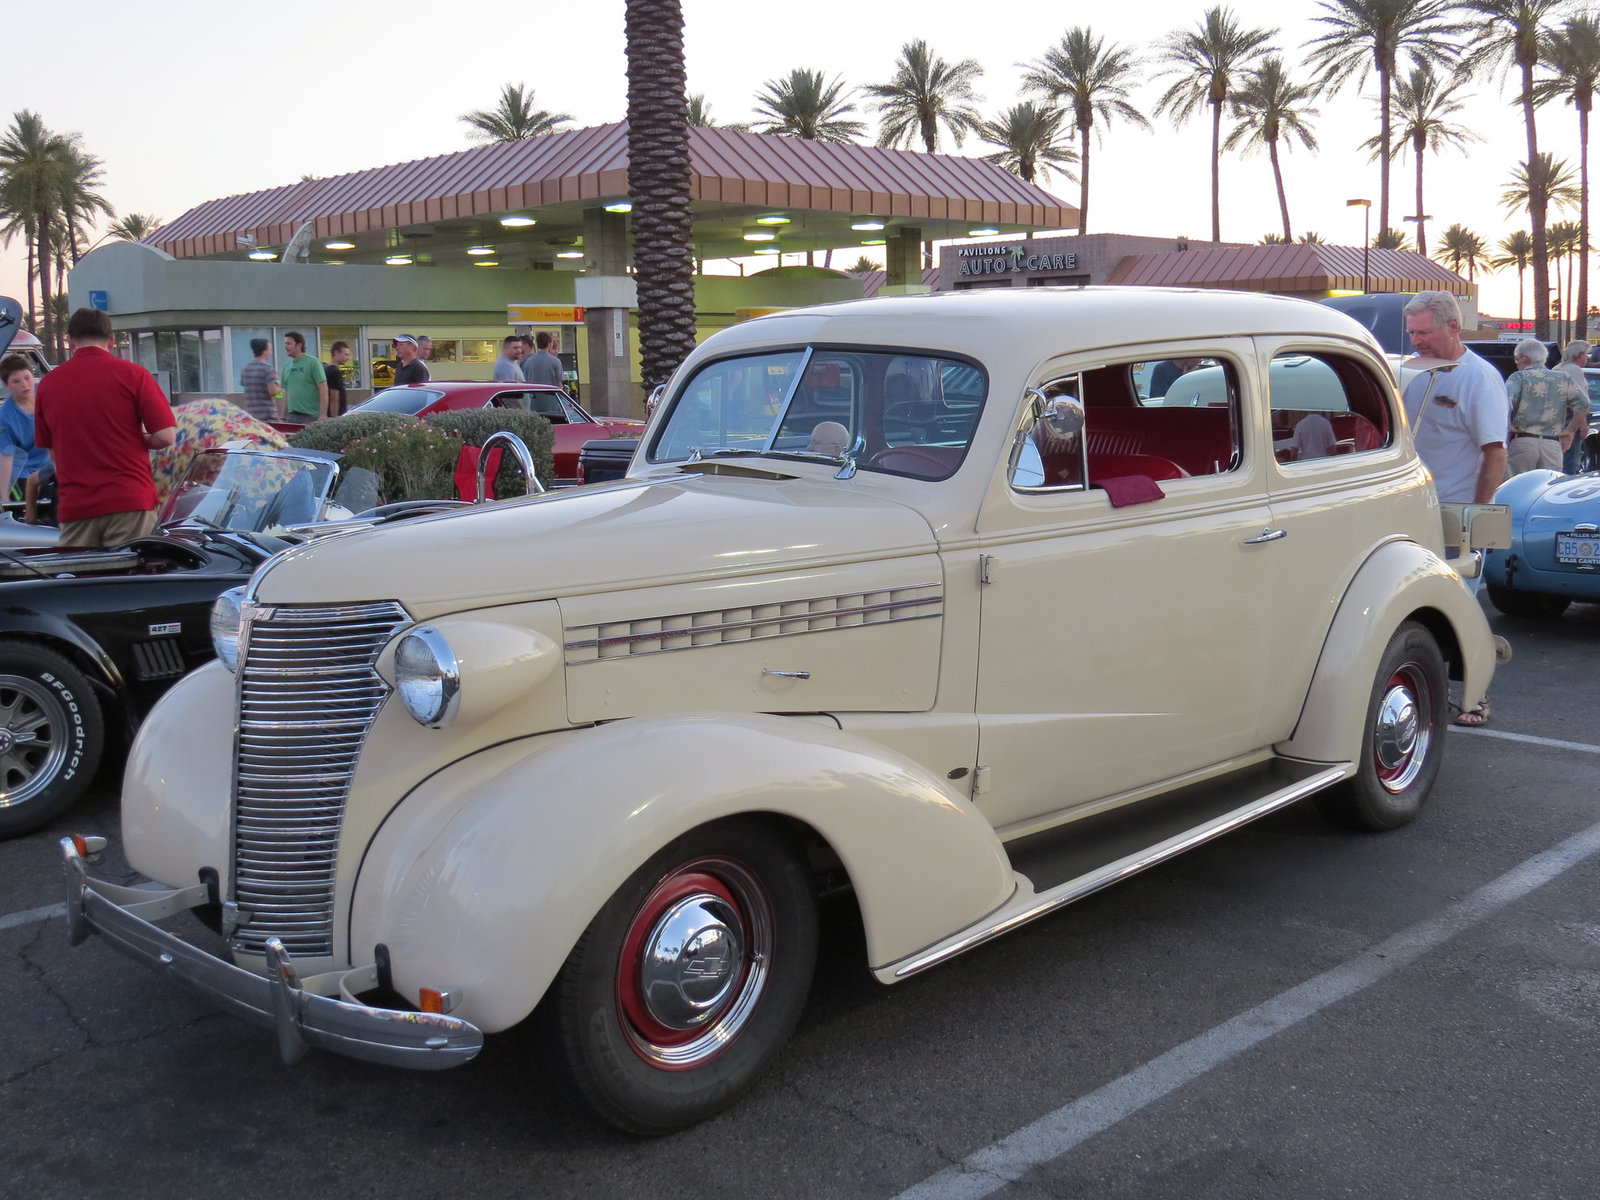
x=583, y=164
x=1296, y=268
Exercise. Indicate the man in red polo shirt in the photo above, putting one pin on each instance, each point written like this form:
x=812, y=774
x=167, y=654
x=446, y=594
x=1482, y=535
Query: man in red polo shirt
x=101, y=416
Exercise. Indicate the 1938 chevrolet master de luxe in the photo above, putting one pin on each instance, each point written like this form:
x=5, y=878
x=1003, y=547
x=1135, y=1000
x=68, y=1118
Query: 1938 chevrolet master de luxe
x=973, y=603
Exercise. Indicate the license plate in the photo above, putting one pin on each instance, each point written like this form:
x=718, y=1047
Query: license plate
x=1578, y=550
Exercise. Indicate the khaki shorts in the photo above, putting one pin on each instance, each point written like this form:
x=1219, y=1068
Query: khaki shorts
x=1530, y=453
x=112, y=529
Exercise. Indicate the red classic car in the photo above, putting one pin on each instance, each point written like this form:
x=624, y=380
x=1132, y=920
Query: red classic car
x=571, y=424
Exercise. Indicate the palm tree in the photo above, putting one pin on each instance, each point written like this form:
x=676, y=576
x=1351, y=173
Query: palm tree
x=1092, y=80
x=1388, y=239
x=513, y=118
x=1030, y=141
x=1272, y=239
x=924, y=92
x=1509, y=33
x=1208, y=59
x=1423, y=107
x=700, y=116
x=134, y=227
x=1460, y=247
x=659, y=186
x=17, y=218
x=1268, y=107
x=1563, y=242
x=1373, y=35
x=1310, y=238
x=863, y=266
x=34, y=164
x=1550, y=178
x=1573, y=53
x=804, y=105
x=1516, y=249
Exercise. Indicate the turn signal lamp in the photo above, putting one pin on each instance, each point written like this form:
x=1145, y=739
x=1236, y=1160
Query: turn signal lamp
x=435, y=1000
x=87, y=845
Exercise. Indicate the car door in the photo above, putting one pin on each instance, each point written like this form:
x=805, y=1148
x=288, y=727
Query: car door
x=1339, y=484
x=1120, y=647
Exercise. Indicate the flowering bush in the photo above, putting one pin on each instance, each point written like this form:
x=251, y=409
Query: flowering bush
x=412, y=461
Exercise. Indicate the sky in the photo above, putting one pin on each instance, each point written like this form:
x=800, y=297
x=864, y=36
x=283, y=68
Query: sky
x=189, y=100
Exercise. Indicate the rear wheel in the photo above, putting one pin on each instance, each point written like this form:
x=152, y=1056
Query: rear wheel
x=690, y=978
x=1526, y=604
x=1403, y=738
x=51, y=737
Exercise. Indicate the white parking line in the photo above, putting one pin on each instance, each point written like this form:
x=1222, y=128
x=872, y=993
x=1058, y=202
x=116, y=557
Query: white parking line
x=29, y=915
x=1050, y=1137
x=1553, y=743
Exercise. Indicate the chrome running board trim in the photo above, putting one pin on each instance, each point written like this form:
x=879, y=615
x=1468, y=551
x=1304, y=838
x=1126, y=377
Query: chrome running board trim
x=1027, y=905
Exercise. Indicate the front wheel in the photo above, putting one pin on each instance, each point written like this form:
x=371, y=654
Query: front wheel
x=1403, y=737
x=690, y=978
x=51, y=737
x=1516, y=603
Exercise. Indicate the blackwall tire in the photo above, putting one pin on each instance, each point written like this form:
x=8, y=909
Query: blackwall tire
x=1534, y=605
x=658, y=1030
x=52, y=735
x=1402, y=740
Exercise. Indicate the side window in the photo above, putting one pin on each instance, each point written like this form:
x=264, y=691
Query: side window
x=1324, y=405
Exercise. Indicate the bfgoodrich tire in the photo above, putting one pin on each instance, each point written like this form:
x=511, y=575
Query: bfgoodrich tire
x=688, y=981
x=51, y=737
x=1403, y=737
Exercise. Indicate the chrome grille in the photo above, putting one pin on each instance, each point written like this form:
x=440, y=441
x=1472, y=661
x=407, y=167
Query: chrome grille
x=307, y=696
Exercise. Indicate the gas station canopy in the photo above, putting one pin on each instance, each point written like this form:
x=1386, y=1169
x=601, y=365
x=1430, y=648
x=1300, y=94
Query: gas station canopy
x=523, y=204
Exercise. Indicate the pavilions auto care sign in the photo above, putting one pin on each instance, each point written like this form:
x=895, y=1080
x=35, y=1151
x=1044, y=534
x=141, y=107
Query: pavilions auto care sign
x=997, y=260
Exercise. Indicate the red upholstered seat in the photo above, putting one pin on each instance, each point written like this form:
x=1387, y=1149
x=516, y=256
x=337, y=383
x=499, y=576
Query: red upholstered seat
x=467, y=473
x=1199, y=440
x=1151, y=466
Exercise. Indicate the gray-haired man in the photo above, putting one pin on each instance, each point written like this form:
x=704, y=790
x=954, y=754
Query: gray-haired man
x=1546, y=409
x=1573, y=360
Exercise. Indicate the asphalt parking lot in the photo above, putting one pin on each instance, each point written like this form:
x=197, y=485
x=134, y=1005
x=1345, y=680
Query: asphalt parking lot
x=1293, y=1010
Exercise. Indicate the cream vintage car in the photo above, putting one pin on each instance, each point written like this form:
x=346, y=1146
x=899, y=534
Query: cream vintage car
x=928, y=596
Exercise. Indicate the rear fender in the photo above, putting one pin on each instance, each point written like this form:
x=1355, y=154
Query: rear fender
x=1399, y=581
x=484, y=877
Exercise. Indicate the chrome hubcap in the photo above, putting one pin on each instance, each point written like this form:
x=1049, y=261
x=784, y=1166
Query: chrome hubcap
x=1396, y=734
x=1402, y=729
x=691, y=961
x=32, y=745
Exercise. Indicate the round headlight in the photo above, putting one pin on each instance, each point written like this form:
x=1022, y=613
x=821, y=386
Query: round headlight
x=428, y=676
x=227, y=621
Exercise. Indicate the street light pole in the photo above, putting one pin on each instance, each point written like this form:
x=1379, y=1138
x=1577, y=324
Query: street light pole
x=1366, y=241
x=1419, y=220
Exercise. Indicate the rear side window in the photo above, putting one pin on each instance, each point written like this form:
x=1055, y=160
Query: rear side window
x=1325, y=405
x=401, y=400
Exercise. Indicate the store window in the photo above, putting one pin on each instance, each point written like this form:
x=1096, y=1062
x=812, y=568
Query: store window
x=239, y=341
x=479, y=350
x=212, y=375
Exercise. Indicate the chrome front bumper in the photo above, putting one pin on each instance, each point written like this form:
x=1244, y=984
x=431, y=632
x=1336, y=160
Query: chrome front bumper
x=279, y=1000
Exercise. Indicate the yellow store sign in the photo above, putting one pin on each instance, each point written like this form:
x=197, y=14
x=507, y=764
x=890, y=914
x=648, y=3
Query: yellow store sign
x=544, y=314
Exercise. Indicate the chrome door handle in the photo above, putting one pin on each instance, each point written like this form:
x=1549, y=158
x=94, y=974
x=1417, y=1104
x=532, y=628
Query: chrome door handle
x=787, y=674
x=1267, y=535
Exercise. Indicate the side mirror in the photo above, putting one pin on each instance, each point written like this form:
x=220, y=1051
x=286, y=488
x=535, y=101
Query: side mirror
x=1063, y=416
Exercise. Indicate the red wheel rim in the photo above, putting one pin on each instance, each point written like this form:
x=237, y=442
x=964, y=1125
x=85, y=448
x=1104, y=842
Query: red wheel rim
x=1403, y=728
x=694, y=963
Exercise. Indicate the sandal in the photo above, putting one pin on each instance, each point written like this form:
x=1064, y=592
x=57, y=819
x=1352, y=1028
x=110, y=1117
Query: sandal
x=1478, y=715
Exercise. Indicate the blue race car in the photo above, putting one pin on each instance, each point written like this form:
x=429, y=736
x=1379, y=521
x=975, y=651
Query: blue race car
x=1554, y=557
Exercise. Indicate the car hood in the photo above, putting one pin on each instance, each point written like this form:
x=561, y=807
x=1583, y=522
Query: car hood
x=10, y=322
x=599, y=540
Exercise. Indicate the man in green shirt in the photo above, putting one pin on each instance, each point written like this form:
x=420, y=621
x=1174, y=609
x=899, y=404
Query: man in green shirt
x=304, y=381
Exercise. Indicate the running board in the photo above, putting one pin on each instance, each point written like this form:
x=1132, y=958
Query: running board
x=1071, y=851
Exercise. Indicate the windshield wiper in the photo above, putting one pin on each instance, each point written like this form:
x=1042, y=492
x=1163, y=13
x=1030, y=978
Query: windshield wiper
x=699, y=453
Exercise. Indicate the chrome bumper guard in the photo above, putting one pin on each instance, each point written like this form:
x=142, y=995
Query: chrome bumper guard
x=279, y=1000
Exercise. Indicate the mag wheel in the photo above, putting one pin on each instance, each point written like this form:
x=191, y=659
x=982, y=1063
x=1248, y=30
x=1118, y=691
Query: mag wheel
x=688, y=981
x=51, y=737
x=1403, y=737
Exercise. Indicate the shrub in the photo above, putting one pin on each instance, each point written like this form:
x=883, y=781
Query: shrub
x=474, y=425
x=337, y=433
x=413, y=461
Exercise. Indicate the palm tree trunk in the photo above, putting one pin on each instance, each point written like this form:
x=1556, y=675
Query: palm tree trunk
x=1583, y=223
x=1570, y=315
x=930, y=135
x=659, y=181
x=41, y=226
x=1422, y=243
x=1521, y=268
x=1083, y=182
x=1536, y=213
x=1384, y=132
x=33, y=313
x=1277, y=176
x=1216, y=171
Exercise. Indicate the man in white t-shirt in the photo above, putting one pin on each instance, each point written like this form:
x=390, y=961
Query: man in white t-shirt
x=1458, y=423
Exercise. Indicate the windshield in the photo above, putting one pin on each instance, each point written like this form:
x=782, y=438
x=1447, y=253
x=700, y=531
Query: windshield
x=408, y=400
x=249, y=490
x=902, y=413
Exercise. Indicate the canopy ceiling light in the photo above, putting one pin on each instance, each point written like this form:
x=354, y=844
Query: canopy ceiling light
x=772, y=219
x=480, y=251
x=338, y=245
x=621, y=206
x=398, y=260
x=769, y=250
x=569, y=253
x=985, y=231
x=486, y=262
x=517, y=222
x=263, y=255
x=760, y=235
x=863, y=226
x=873, y=241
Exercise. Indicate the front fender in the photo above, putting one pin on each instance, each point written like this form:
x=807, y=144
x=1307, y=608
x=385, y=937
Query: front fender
x=485, y=876
x=1399, y=581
